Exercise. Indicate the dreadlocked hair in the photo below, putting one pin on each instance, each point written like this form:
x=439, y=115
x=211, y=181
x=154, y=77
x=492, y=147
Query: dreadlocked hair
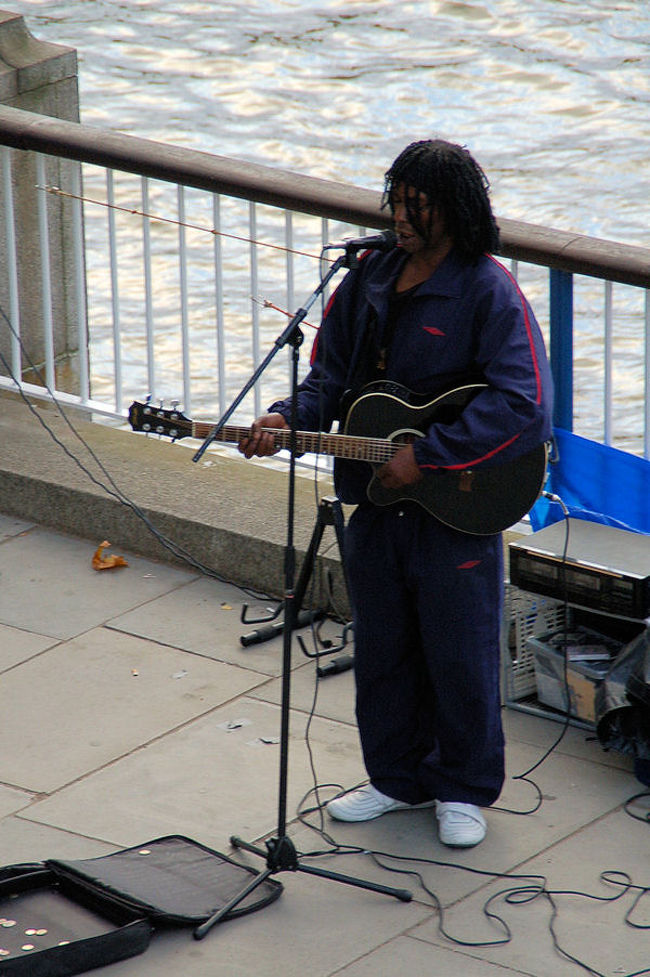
x=455, y=185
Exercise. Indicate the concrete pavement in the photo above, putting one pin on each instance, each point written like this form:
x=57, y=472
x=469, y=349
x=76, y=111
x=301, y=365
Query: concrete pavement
x=130, y=710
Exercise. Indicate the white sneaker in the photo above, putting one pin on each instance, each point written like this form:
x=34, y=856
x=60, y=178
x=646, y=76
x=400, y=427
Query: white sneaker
x=363, y=804
x=460, y=825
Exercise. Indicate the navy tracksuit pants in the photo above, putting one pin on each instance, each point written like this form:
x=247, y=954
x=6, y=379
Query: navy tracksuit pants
x=427, y=603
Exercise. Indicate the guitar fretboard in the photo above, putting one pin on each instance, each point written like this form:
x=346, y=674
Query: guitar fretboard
x=375, y=450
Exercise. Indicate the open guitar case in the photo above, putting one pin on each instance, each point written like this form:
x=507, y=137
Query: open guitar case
x=59, y=917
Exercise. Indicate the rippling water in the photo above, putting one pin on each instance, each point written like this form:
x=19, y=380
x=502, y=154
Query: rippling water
x=552, y=96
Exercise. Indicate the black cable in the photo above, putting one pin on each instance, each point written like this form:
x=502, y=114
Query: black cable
x=113, y=491
x=635, y=797
x=525, y=776
x=533, y=887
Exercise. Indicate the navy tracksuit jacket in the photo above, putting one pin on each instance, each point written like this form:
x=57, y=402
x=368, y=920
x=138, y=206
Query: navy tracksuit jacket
x=427, y=599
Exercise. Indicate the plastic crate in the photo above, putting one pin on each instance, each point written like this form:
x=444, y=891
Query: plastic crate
x=526, y=615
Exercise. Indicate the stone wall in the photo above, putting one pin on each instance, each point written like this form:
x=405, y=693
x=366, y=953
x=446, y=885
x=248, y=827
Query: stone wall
x=40, y=77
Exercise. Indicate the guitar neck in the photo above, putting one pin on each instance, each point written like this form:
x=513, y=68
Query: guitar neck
x=375, y=450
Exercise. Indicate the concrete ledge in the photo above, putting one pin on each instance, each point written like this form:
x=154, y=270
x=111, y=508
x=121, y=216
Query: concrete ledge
x=227, y=514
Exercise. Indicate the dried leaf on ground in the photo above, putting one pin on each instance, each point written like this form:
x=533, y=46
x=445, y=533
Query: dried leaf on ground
x=101, y=562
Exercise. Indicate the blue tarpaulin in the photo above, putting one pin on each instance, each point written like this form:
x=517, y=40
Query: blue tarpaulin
x=597, y=483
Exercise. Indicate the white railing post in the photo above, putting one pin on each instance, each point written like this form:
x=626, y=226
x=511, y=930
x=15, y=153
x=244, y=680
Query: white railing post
x=255, y=313
x=148, y=288
x=80, y=285
x=115, y=293
x=48, y=324
x=12, y=265
x=218, y=290
x=290, y=289
x=182, y=258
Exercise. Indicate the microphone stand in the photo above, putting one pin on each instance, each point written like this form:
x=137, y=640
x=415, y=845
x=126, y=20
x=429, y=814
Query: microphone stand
x=280, y=852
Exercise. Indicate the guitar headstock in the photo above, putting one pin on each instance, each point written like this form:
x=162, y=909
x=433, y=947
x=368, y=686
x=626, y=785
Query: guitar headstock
x=157, y=420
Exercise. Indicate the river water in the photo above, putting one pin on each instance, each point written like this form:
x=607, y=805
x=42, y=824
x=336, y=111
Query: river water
x=551, y=96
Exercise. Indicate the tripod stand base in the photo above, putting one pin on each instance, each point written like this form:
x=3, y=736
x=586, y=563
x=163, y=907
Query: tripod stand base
x=281, y=856
x=288, y=853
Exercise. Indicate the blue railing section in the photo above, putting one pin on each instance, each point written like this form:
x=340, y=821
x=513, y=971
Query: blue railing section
x=561, y=345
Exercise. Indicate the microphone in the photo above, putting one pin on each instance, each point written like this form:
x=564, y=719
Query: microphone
x=372, y=242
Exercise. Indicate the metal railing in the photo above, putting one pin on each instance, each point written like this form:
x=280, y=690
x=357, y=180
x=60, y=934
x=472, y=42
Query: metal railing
x=183, y=265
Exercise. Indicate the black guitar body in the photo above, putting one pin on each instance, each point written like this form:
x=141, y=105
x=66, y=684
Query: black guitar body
x=479, y=501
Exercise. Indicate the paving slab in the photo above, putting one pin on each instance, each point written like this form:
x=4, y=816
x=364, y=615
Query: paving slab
x=574, y=793
x=215, y=777
x=589, y=924
x=97, y=697
x=47, y=584
x=17, y=645
x=331, y=696
x=129, y=710
x=205, y=617
x=27, y=841
x=555, y=734
x=12, y=800
x=406, y=955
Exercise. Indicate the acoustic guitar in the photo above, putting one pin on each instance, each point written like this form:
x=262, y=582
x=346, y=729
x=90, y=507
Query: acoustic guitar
x=384, y=417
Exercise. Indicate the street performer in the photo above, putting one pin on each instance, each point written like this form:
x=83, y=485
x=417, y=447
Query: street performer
x=432, y=313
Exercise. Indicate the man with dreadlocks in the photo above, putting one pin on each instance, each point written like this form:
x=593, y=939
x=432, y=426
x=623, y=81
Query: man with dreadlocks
x=433, y=313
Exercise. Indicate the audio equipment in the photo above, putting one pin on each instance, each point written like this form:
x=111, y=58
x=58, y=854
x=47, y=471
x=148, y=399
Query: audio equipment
x=595, y=566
